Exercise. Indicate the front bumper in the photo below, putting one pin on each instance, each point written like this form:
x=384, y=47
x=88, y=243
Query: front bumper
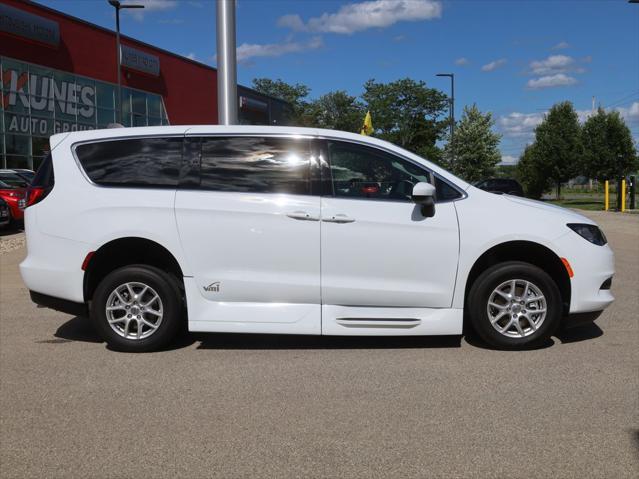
x=592, y=266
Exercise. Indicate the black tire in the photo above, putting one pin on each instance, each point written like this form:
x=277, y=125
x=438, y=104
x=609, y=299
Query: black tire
x=168, y=290
x=494, y=276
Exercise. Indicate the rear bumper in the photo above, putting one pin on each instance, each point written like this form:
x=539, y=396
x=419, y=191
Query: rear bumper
x=53, y=265
x=59, y=304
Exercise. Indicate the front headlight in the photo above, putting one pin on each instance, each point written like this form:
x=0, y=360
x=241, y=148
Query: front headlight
x=591, y=233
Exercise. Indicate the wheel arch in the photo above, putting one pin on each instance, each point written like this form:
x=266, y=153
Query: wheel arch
x=125, y=251
x=529, y=252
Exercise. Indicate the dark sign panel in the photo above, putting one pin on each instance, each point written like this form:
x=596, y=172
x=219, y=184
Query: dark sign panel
x=27, y=25
x=141, y=61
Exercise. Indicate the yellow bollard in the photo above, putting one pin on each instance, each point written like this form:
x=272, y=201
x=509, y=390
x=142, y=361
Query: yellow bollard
x=606, y=196
x=623, y=195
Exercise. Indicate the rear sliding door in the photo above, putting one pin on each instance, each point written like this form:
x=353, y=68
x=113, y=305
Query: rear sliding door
x=249, y=226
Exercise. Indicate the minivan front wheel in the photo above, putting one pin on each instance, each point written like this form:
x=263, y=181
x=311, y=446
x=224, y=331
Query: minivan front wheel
x=514, y=305
x=137, y=308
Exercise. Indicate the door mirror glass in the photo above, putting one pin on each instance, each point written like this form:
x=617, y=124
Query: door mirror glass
x=424, y=195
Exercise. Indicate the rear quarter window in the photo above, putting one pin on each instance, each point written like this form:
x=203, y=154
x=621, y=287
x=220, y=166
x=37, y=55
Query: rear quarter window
x=140, y=162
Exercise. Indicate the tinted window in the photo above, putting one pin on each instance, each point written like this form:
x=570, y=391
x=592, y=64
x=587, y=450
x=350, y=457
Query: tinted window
x=44, y=177
x=138, y=162
x=256, y=165
x=363, y=172
x=445, y=192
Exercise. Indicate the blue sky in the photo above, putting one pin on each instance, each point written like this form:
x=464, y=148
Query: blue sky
x=513, y=58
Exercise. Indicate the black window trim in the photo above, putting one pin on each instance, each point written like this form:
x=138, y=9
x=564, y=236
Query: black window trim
x=74, y=153
x=318, y=148
x=324, y=151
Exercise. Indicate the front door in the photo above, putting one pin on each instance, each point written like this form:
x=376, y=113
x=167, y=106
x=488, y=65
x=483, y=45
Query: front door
x=380, y=256
x=249, y=227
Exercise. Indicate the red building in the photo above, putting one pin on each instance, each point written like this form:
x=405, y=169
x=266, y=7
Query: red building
x=59, y=74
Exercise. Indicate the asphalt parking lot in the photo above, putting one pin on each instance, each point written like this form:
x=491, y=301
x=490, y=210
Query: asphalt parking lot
x=286, y=406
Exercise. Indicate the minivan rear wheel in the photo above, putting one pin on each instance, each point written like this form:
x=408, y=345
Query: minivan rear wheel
x=514, y=305
x=137, y=308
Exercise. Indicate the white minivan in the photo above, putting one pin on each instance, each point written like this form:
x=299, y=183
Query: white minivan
x=254, y=229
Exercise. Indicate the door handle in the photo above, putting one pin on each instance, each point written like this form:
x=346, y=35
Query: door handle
x=339, y=218
x=302, y=215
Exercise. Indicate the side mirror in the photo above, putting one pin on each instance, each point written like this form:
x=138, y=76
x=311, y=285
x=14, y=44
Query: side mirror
x=424, y=195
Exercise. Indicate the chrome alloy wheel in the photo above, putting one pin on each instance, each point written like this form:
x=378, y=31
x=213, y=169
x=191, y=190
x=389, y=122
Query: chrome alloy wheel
x=134, y=310
x=516, y=308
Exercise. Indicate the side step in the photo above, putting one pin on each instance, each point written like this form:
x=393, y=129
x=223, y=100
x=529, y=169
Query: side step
x=405, y=323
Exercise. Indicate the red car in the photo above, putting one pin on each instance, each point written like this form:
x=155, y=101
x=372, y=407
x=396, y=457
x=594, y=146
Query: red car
x=13, y=190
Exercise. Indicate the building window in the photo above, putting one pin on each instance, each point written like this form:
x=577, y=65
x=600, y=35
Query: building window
x=38, y=102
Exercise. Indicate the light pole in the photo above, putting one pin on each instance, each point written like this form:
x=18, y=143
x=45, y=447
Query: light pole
x=451, y=105
x=226, y=63
x=118, y=6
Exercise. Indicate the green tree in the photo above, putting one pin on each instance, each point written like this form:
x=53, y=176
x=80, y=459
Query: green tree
x=336, y=111
x=609, y=151
x=406, y=112
x=294, y=94
x=473, y=153
x=558, y=144
x=530, y=173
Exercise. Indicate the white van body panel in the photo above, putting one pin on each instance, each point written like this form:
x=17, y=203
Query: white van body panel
x=385, y=270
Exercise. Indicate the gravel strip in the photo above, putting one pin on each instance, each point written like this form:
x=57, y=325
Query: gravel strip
x=12, y=242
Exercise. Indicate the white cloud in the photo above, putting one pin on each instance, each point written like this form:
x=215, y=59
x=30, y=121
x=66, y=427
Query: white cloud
x=252, y=50
x=552, y=71
x=519, y=125
x=191, y=56
x=551, y=81
x=630, y=114
x=356, y=17
x=292, y=21
x=509, y=160
x=561, y=46
x=149, y=6
x=555, y=64
x=489, y=67
x=461, y=61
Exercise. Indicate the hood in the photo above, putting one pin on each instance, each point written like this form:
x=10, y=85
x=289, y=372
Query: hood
x=554, y=209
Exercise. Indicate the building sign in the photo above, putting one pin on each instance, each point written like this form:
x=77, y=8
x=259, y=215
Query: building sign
x=135, y=59
x=27, y=25
x=45, y=98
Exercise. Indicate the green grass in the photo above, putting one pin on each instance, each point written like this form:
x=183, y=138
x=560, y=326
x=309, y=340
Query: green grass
x=592, y=203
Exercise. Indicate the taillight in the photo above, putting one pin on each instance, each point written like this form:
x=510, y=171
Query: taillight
x=87, y=260
x=35, y=194
x=42, y=183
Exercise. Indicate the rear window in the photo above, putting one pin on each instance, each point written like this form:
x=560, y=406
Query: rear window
x=44, y=176
x=140, y=162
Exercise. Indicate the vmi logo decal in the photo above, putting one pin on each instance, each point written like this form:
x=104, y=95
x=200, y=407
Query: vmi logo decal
x=213, y=287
